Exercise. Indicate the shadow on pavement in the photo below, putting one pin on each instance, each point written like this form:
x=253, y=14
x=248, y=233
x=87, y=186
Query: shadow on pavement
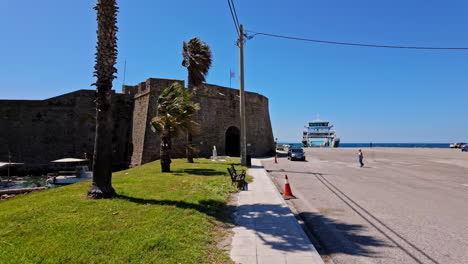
x=337, y=237
x=347, y=240
x=300, y=172
x=274, y=225
x=382, y=227
x=277, y=227
x=256, y=167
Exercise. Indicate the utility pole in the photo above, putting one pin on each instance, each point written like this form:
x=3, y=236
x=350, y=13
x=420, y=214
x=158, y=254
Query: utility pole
x=243, y=137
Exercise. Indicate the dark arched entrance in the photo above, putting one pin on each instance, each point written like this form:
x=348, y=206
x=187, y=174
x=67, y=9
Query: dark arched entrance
x=233, y=142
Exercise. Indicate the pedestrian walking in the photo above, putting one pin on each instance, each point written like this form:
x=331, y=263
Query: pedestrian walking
x=360, y=157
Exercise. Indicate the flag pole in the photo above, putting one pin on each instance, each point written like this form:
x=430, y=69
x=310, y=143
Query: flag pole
x=125, y=72
x=230, y=78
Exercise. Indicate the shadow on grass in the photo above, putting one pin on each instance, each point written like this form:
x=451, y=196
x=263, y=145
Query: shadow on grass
x=201, y=172
x=212, y=208
x=209, y=161
x=269, y=220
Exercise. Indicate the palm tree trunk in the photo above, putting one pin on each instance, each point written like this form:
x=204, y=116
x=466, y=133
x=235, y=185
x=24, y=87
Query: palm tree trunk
x=189, y=147
x=106, y=57
x=165, y=155
x=102, y=160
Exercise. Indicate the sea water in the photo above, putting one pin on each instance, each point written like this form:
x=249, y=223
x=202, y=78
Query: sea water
x=385, y=145
x=395, y=145
x=17, y=182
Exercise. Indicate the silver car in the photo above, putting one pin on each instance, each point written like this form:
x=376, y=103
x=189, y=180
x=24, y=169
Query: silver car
x=296, y=154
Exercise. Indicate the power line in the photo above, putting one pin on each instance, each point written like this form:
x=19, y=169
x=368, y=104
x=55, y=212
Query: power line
x=235, y=13
x=236, y=24
x=352, y=44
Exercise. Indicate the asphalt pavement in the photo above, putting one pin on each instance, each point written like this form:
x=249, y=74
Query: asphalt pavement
x=403, y=206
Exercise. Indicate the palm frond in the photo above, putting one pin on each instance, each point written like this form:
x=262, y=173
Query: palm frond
x=175, y=112
x=197, y=58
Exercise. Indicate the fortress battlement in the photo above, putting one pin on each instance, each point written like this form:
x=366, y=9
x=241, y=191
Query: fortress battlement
x=38, y=131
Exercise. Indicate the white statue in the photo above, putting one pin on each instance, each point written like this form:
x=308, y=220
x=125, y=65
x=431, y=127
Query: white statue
x=215, y=154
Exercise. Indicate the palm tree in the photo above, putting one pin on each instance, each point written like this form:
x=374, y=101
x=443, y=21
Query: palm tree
x=197, y=59
x=175, y=116
x=106, y=57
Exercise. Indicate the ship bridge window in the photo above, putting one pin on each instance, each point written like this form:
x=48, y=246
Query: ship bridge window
x=318, y=124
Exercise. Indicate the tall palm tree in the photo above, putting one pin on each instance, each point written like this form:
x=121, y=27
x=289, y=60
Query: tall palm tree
x=197, y=59
x=175, y=116
x=106, y=57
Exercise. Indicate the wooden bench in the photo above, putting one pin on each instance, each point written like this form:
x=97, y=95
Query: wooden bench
x=238, y=178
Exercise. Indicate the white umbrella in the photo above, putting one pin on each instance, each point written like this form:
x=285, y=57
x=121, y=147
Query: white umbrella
x=69, y=160
x=5, y=164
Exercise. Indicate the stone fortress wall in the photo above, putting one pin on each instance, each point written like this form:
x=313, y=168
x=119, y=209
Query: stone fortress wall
x=38, y=131
x=219, y=112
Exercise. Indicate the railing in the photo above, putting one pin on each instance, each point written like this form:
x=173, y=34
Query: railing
x=320, y=131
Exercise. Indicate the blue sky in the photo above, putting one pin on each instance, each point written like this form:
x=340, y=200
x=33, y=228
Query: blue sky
x=369, y=94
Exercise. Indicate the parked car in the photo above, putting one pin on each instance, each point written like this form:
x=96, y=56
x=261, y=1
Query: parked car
x=458, y=145
x=464, y=148
x=296, y=154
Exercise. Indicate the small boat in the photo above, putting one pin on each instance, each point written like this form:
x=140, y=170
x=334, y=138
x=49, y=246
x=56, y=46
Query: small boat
x=8, y=183
x=70, y=176
x=457, y=145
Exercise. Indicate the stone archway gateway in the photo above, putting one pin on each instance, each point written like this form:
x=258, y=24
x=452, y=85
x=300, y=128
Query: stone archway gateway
x=232, y=142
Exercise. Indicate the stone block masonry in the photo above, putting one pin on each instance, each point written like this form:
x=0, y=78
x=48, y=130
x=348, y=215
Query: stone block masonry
x=218, y=117
x=38, y=131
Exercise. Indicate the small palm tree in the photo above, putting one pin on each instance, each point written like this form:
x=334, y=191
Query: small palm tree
x=197, y=59
x=106, y=57
x=175, y=114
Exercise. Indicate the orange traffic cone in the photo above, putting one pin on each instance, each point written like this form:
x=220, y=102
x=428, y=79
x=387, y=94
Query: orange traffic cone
x=287, y=189
x=276, y=158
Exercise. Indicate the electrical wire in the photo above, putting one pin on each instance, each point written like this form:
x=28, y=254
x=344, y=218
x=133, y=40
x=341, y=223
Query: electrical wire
x=235, y=13
x=352, y=44
x=233, y=17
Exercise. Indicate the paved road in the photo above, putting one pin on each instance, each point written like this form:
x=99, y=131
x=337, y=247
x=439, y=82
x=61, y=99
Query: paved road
x=404, y=206
x=266, y=230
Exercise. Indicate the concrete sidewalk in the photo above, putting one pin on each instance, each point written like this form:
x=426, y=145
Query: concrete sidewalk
x=267, y=231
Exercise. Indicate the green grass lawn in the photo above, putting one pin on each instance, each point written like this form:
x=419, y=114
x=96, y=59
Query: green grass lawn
x=156, y=218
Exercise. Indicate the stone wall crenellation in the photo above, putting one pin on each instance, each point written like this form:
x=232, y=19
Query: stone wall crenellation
x=39, y=131
x=219, y=110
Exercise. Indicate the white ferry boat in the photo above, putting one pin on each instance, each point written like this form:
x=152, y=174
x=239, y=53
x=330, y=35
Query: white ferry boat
x=319, y=133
